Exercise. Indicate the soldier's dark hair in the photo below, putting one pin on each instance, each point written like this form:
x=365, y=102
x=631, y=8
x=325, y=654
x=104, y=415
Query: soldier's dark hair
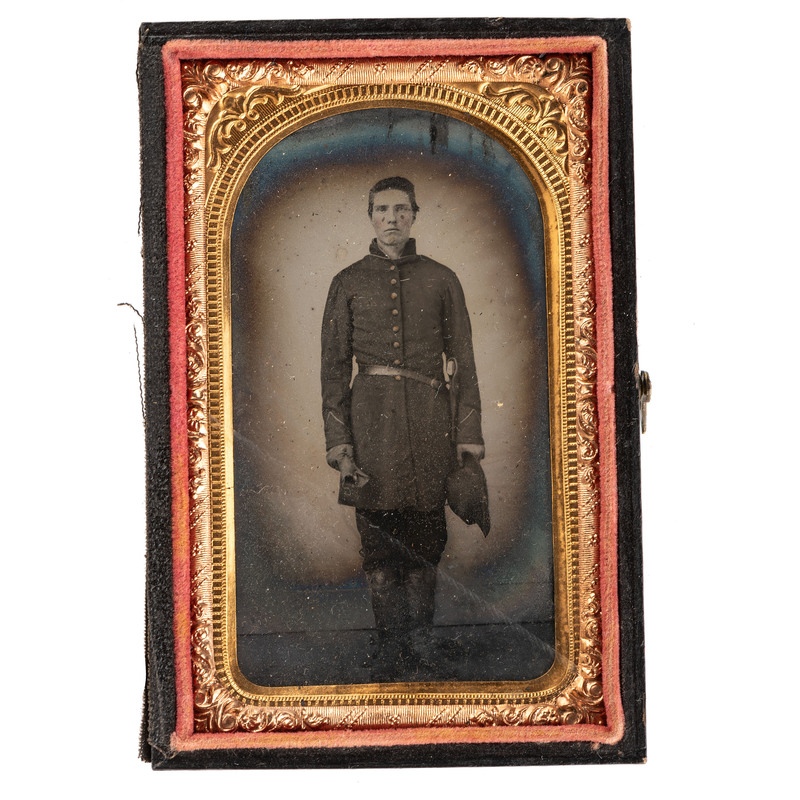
x=401, y=184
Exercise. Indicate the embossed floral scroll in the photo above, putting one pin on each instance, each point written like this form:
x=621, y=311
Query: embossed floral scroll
x=260, y=142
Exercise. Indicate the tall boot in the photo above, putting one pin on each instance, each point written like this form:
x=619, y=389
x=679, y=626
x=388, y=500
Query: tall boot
x=420, y=586
x=390, y=610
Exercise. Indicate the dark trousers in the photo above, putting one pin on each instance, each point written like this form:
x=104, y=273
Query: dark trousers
x=406, y=539
x=401, y=550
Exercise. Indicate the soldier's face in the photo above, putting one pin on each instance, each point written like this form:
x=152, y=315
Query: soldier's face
x=392, y=217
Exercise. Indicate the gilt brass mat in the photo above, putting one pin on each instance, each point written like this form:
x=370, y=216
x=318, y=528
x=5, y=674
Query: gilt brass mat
x=539, y=109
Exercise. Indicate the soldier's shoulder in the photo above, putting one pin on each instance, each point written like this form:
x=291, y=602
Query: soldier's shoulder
x=438, y=268
x=350, y=270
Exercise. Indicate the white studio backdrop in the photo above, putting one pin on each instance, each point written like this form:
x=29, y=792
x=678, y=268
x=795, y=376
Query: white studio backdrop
x=717, y=262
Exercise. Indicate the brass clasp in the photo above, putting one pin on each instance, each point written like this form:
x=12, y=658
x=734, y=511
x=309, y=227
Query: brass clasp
x=645, y=393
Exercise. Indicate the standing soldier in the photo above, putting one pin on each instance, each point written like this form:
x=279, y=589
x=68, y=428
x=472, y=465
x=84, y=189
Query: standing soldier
x=393, y=436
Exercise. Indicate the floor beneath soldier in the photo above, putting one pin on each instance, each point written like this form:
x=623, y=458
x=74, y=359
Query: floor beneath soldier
x=496, y=652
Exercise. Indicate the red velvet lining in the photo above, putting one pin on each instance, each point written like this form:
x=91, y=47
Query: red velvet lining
x=173, y=53
x=605, y=397
x=185, y=49
x=176, y=267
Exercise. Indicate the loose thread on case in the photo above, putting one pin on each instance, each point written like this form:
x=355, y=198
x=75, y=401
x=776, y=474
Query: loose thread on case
x=138, y=357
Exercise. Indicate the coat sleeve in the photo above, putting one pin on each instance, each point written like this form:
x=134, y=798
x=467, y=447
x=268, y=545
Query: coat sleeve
x=458, y=345
x=337, y=367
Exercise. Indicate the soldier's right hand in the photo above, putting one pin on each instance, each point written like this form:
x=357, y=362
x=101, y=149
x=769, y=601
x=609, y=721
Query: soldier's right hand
x=335, y=455
x=351, y=473
x=341, y=458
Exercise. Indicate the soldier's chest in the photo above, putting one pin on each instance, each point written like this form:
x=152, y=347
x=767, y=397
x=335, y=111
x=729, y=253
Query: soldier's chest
x=407, y=293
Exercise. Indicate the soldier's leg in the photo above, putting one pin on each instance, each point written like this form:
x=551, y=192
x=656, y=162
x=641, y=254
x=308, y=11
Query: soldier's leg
x=384, y=570
x=420, y=586
x=385, y=585
x=425, y=536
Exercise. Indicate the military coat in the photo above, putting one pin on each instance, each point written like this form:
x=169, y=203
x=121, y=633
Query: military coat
x=408, y=313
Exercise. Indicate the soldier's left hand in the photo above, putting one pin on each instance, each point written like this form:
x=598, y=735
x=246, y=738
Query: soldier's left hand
x=477, y=451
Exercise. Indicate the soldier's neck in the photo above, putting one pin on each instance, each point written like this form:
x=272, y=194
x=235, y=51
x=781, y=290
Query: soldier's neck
x=392, y=251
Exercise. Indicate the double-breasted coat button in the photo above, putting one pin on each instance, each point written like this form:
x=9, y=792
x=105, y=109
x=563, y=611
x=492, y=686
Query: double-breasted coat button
x=397, y=377
x=397, y=344
x=392, y=267
x=393, y=281
x=397, y=361
x=393, y=295
x=395, y=312
x=395, y=328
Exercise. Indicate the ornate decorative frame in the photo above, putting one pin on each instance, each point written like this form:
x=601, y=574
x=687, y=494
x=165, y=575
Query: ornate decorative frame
x=546, y=101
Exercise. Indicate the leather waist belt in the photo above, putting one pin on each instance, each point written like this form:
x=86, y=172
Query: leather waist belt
x=375, y=369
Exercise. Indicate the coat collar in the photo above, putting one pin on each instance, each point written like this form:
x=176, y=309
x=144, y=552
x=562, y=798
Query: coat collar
x=409, y=252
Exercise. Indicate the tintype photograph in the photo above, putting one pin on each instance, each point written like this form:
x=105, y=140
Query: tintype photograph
x=389, y=317
x=392, y=423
